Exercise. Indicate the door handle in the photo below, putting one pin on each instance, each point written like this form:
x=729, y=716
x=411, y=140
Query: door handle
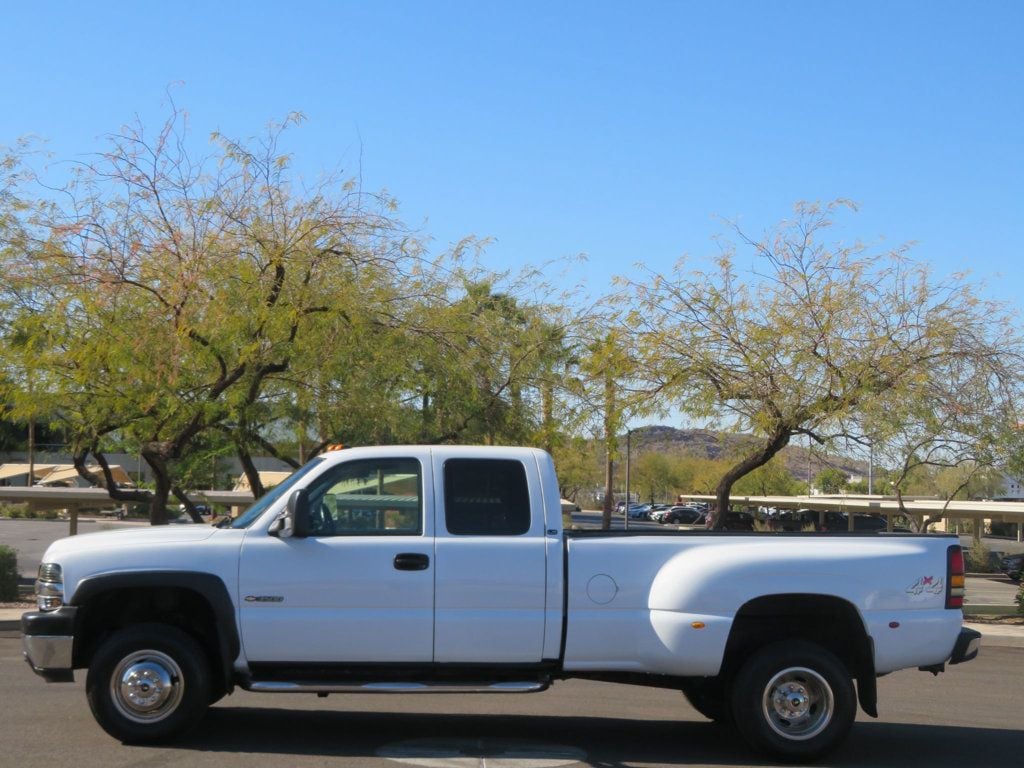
x=411, y=561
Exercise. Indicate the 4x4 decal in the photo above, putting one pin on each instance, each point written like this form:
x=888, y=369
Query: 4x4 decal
x=928, y=584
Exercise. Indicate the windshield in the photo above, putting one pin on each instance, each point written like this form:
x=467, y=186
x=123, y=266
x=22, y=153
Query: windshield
x=263, y=503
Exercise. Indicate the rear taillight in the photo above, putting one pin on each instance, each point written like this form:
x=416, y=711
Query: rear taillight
x=955, y=577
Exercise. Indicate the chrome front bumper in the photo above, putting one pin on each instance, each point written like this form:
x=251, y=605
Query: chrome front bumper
x=48, y=643
x=48, y=651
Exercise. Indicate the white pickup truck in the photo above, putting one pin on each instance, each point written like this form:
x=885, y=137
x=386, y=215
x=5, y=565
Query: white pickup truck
x=422, y=569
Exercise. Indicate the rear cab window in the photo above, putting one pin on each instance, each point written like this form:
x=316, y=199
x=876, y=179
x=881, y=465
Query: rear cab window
x=486, y=497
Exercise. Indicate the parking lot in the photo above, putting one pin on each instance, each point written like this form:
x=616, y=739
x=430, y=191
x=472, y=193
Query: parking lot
x=969, y=716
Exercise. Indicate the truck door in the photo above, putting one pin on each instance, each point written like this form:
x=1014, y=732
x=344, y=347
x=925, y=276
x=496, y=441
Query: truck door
x=491, y=554
x=361, y=587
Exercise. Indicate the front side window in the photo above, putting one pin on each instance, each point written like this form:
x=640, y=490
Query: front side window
x=369, y=497
x=486, y=497
x=266, y=501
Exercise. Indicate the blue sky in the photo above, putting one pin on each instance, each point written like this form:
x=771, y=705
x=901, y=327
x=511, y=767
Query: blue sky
x=619, y=130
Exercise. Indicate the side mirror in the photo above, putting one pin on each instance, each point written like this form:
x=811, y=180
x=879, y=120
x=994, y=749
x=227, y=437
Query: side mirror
x=295, y=521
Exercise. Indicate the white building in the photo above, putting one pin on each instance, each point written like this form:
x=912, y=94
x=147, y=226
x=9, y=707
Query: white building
x=1012, y=490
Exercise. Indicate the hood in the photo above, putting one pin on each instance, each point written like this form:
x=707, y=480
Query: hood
x=147, y=536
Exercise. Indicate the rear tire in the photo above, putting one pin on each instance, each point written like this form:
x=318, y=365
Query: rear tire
x=793, y=700
x=148, y=683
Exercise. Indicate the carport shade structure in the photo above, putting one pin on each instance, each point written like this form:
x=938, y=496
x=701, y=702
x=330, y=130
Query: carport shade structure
x=1003, y=511
x=11, y=471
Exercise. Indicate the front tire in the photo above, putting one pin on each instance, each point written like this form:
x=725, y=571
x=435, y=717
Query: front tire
x=148, y=683
x=794, y=700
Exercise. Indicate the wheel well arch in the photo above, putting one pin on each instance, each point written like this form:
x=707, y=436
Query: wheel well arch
x=826, y=620
x=197, y=603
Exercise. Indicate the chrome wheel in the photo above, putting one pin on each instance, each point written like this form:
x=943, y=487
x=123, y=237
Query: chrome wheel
x=798, y=703
x=146, y=686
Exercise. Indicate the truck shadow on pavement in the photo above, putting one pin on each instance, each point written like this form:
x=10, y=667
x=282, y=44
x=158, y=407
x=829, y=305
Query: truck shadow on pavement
x=439, y=739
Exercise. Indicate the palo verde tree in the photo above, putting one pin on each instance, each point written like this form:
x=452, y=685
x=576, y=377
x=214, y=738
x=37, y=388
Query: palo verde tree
x=812, y=336
x=963, y=426
x=174, y=289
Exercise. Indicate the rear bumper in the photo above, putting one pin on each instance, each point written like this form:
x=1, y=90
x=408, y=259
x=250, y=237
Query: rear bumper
x=48, y=643
x=966, y=647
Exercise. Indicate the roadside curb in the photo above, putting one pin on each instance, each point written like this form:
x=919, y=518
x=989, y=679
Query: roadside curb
x=10, y=618
x=999, y=635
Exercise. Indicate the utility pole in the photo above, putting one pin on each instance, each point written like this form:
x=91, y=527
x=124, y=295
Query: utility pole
x=629, y=498
x=808, y=465
x=871, y=467
x=31, y=451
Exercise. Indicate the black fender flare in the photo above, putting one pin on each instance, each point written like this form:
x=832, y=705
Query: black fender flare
x=207, y=585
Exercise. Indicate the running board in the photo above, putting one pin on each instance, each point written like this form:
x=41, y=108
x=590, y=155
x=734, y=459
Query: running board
x=275, y=686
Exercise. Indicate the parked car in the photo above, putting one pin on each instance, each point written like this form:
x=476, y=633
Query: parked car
x=734, y=521
x=835, y=522
x=677, y=515
x=656, y=510
x=202, y=509
x=639, y=511
x=1012, y=565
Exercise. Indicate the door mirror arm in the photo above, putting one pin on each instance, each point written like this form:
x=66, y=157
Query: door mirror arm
x=294, y=520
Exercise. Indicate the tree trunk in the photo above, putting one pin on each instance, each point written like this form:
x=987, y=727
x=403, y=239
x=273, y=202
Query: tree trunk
x=609, y=493
x=158, y=503
x=776, y=443
x=186, y=502
x=548, y=415
x=106, y=479
x=251, y=473
x=611, y=447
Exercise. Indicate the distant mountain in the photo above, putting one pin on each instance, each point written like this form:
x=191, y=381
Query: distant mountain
x=717, y=445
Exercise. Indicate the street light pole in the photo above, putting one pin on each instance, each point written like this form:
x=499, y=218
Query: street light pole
x=871, y=467
x=625, y=511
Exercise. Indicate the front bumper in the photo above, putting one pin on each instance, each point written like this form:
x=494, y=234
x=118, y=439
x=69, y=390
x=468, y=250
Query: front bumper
x=48, y=643
x=966, y=647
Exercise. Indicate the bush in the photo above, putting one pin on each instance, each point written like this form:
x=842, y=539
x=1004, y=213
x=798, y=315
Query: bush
x=8, y=574
x=1020, y=597
x=22, y=512
x=979, y=559
x=13, y=511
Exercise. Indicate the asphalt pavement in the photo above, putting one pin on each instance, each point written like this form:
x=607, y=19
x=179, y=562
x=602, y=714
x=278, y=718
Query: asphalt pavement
x=968, y=717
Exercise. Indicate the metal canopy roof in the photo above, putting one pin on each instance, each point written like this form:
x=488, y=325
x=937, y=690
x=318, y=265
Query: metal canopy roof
x=7, y=471
x=1007, y=511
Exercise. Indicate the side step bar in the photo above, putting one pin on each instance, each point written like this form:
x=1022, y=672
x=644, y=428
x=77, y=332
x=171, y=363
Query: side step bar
x=277, y=686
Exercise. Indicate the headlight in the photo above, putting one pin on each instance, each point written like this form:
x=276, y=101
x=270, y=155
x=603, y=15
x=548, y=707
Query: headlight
x=49, y=587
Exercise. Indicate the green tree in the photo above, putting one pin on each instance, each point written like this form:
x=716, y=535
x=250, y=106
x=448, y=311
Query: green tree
x=770, y=479
x=831, y=480
x=579, y=467
x=655, y=476
x=485, y=361
x=707, y=473
x=857, y=486
x=604, y=372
